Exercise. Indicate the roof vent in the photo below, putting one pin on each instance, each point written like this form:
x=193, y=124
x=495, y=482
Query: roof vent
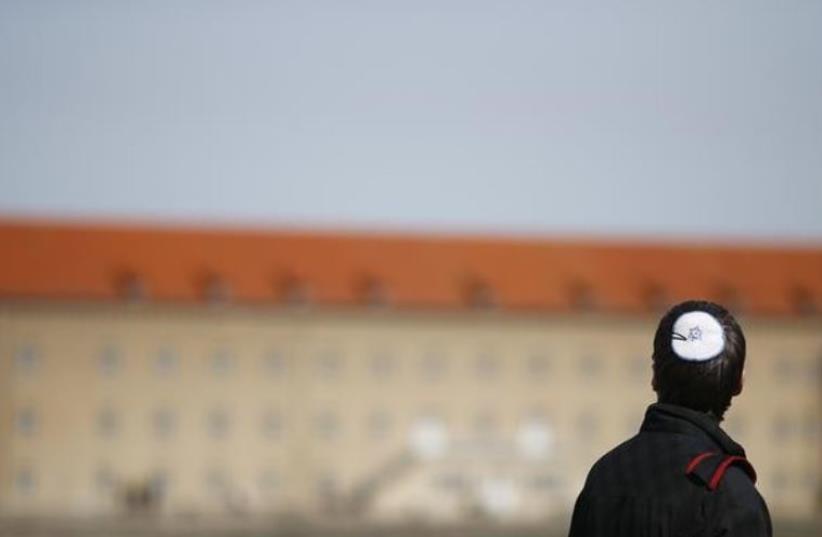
x=655, y=297
x=582, y=296
x=802, y=300
x=293, y=291
x=131, y=287
x=216, y=289
x=730, y=297
x=372, y=292
x=478, y=294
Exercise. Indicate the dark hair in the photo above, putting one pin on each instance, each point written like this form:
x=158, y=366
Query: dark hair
x=705, y=386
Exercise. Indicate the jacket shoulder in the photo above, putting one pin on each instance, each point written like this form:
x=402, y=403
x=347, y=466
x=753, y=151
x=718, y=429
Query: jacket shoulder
x=645, y=459
x=711, y=467
x=744, y=511
x=730, y=494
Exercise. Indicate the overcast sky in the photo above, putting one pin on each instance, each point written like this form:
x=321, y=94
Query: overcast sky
x=697, y=119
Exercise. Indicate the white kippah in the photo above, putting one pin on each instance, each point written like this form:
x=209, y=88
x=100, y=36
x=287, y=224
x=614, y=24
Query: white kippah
x=697, y=336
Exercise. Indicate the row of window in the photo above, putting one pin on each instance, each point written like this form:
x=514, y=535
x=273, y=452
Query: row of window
x=782, y=427
x=330, y=364
x=218, y=482
x=164, y=423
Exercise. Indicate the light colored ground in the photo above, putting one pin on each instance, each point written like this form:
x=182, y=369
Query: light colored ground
x=137, y=527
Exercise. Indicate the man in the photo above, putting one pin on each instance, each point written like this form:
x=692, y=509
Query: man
x=681, y=475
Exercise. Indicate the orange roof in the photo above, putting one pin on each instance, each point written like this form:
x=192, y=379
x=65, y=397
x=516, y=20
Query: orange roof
x=54, y=260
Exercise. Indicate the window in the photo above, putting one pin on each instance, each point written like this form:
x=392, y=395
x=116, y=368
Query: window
x=329, y=364
x=164, y=423
x=429, y=437
x=269, y=481
x=433, y=366
x=26, y=360
x=641, y=368
x=27, y=421
x=24, y=482
x=632, y=423
x=217, y=482
x=590, y=365
x=383, y=364
x=785, y=369
x=535, y=438
x=327, y=489
x=783, y=428
x=451, y=482
x=107, y=423
x=166, y=362
x=545, y=483
x=327, y=425
x=108, y=362
x=813, y=371
x=221, y=362
x=812, y=426
x=588, y=425
x=379, y=424
x=539, y=364
x=218, y=423
x=158, y=484
x=810, y=481
x=275, y=363
x=736, y=424
x=485, y=424
x=104, y=481
x=779, y=480
x=486, y=366
x=272, y=424
x=498, y=496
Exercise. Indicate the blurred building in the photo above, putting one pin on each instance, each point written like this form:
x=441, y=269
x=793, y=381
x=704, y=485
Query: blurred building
x=383, y=378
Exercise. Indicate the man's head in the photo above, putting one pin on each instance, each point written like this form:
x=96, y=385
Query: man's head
x=686, y=371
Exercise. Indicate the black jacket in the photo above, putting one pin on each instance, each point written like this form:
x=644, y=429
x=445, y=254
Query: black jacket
x=680, y=476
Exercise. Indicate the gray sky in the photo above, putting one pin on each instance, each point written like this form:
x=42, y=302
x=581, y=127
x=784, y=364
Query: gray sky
x=543, y=117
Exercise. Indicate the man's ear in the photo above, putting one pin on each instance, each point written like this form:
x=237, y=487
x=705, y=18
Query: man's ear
x=739, y=386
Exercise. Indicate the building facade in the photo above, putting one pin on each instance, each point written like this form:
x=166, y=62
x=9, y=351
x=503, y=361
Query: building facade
x=141, y=370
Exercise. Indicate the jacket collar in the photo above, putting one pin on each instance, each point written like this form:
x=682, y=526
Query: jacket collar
x=663, y=417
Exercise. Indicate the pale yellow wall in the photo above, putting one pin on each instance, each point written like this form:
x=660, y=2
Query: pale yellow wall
x=592, y=392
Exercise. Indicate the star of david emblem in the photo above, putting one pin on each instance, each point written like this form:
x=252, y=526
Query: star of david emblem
x=694, y=333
